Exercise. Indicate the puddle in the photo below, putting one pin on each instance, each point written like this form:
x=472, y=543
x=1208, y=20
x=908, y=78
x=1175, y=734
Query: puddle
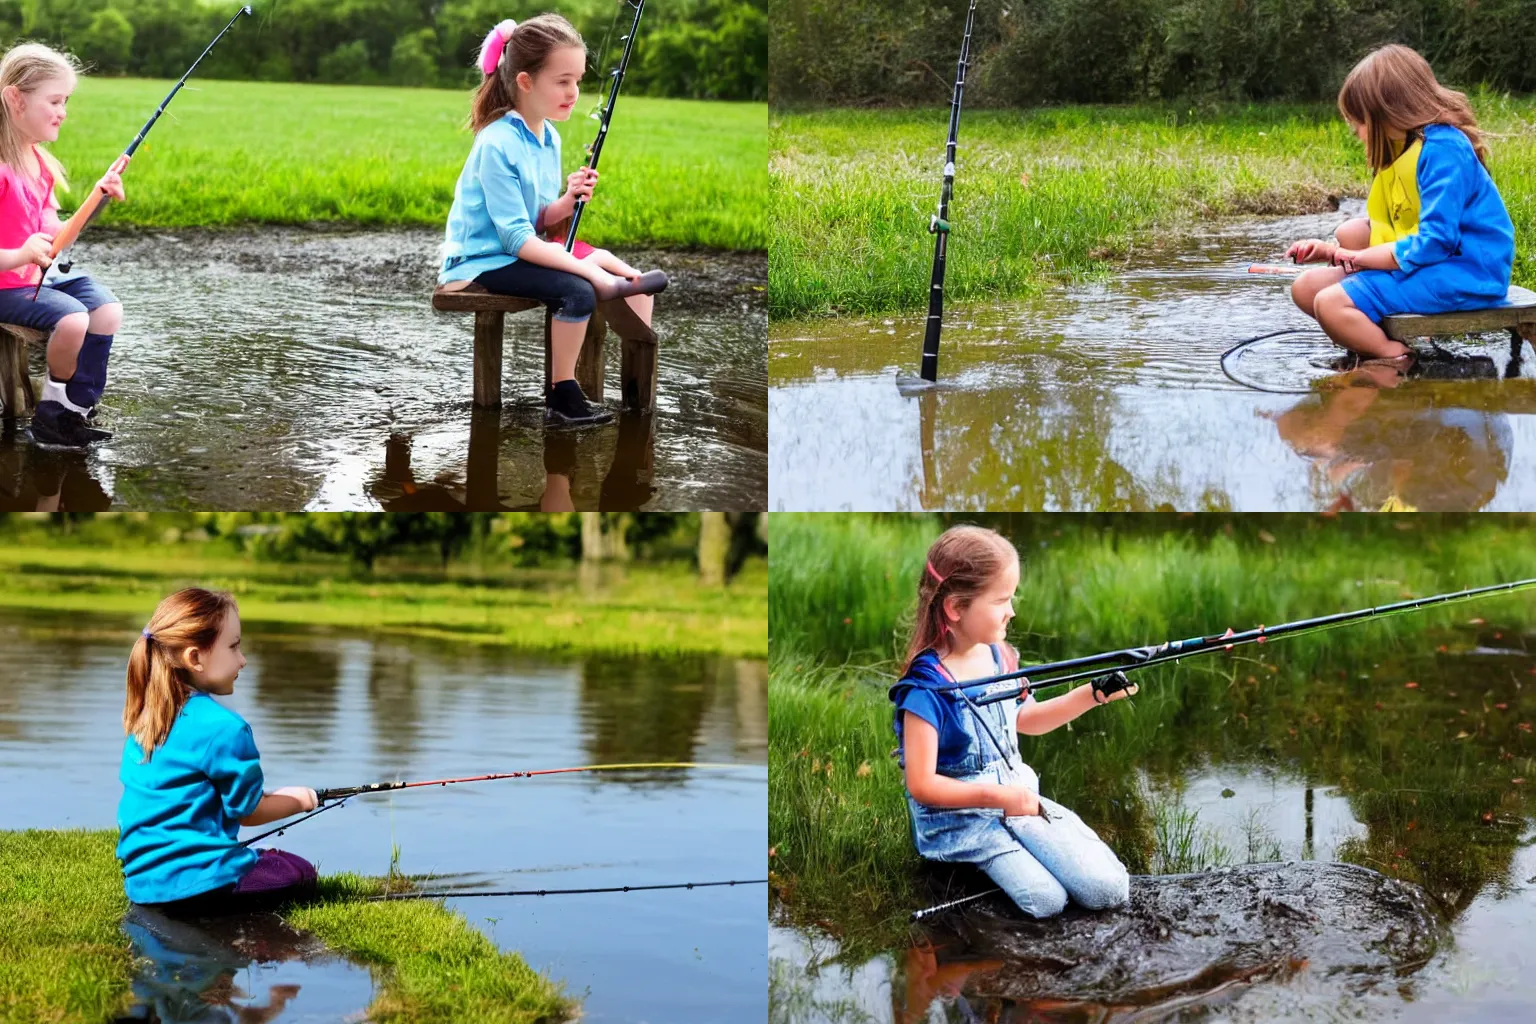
x=290, y=369
x=1111, y=397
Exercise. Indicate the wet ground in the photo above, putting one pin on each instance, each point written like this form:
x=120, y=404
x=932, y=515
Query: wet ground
x=1410, y=764
x=338, y=708
x=1112, y=397
x=291, y=369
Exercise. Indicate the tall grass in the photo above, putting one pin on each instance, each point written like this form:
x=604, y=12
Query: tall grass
x=674, y=173
x=1421, y=766
x=1055, y=194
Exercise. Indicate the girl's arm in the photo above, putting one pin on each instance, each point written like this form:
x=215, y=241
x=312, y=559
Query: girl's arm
x=1377, y=257
x=502, y=183
x=920, y=744
x=1037, y=717
x=282, y=803
x=1445, y=178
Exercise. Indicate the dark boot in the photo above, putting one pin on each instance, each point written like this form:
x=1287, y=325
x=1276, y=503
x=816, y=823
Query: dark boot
x=566, y=406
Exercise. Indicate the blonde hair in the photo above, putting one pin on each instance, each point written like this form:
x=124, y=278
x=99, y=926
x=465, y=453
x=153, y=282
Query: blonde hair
x=962, y=563
x=158, y=684
x=527, y=49
x=1394, y=87
x=27, y=66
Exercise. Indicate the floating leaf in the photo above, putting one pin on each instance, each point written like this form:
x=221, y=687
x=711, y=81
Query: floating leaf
x=1229, y=793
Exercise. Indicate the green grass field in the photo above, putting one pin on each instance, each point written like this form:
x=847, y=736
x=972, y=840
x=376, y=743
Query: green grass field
x=63, y=958
x=1057, y=194
x=651, y=610
x=674, y=172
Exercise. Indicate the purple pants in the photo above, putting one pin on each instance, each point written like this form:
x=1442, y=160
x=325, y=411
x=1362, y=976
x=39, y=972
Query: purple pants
x=276, y=877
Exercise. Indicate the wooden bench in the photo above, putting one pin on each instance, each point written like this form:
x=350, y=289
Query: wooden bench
x=637, y=364
x=1516, y=314
x=17, y=395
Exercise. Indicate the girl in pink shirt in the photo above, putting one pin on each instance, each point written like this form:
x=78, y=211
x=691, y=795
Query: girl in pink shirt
x=80, y=315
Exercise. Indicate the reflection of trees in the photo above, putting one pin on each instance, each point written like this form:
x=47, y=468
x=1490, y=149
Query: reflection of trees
x=300, y=682
x=394, y=702
x=1027, y=448
x=647, y=709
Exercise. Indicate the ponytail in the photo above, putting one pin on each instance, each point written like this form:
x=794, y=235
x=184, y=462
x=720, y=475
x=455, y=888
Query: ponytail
x=509, y=49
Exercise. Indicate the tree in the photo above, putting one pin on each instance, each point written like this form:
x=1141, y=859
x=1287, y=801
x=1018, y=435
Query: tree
x=108, y=42
x=413, y=59
x=714, y=545
x=347, y=63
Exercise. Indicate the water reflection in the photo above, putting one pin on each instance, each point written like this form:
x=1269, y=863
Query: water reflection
x=593, y=470
x=245, y=969
x=1110, y=396
x=37, y=480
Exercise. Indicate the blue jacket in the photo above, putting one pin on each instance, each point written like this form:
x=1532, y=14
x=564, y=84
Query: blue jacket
x=180, y=812
x=1462, y=219
x=509, y=176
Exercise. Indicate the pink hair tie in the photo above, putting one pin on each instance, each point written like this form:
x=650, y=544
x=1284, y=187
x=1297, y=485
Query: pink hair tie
x=495, y=43
x=934, y=573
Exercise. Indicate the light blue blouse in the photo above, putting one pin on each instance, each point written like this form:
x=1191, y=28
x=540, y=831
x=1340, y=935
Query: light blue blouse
x=510, y=175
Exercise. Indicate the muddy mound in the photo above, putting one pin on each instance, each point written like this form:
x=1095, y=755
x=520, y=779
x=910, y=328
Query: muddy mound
x=1190, y=934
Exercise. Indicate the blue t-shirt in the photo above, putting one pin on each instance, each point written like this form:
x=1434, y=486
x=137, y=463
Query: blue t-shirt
x=180, y=813
x=913, y=694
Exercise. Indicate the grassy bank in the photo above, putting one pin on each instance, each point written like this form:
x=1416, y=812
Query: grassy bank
x=1435, y=771
x=675, y=172
x=644, y=609
x=1057, y=194
x=63, y=957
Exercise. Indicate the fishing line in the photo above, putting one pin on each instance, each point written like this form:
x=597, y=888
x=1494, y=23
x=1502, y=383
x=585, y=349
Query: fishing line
x=1233, y=352
x=605, y=113
x=391, y=897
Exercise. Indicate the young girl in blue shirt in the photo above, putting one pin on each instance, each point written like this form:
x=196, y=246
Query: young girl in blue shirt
x=191, y=774
x=1437, y=237
x=971, y=796
x=505, y=204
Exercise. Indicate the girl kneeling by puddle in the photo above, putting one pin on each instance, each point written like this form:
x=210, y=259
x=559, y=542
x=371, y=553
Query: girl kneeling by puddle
x=506, y=198
x=79, y=315
x=1437, y=237
x=972, y=798
x=191, y=774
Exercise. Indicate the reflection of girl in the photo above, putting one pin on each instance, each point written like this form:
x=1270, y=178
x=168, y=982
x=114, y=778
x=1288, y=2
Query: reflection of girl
x=971, y=796
x=191, y=774
x=1438, y=237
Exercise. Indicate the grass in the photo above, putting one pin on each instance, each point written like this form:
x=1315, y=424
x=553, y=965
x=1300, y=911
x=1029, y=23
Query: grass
x=63, y=958
x=1044, y=196
x=1429, y=769
x=646, y=609
x=675, y=172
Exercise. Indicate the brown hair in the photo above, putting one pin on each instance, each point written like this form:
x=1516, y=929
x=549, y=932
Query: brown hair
x=1394, y=87
x=528, y=47
x=158, y=685
x=27, y=66
x=961, y=563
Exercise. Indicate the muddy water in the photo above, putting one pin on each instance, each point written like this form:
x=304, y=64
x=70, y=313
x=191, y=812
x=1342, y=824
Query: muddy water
x=1412, y=764
x=290, y=369
x=337, y=708
x=1111, y=397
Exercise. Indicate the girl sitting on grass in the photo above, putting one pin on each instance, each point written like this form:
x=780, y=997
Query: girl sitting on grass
x=972, y=798
x=191, y=774
x=506, y=198
x=1437, y=237
x=79, y=315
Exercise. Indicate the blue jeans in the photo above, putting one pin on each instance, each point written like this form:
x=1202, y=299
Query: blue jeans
x=61, y=296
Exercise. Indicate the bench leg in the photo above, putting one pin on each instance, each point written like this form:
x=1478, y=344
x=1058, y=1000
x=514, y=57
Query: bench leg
x=489, y=326
x=589, y=361
x=15, y=384
x=637, y=374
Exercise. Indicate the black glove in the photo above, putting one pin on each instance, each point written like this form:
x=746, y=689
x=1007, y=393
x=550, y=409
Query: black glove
x=1105, y=686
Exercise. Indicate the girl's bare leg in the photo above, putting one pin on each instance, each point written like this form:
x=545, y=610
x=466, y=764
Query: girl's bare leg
x=64, y=345
x=1352, y=329
x=1354, y=233
x=565, y=338
x=1305, y=289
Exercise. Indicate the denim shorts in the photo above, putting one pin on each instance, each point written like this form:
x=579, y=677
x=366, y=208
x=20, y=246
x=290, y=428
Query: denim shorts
x=61, y=296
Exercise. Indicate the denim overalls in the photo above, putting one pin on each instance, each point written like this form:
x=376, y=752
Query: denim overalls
x=1038, y=862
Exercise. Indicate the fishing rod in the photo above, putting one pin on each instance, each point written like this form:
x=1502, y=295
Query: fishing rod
x=1001, y=687
x=392, y=896
x=95, y=202
x=342, y=794
x=938, y=224
x=605, y=115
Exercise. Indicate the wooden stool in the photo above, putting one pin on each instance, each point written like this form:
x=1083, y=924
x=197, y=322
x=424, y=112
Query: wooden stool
x=16, y=392
x=1516, y=314
x=637, y=365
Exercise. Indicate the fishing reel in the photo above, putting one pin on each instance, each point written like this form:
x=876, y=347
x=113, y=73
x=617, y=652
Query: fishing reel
x=1106, y=687
x=937, y=225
